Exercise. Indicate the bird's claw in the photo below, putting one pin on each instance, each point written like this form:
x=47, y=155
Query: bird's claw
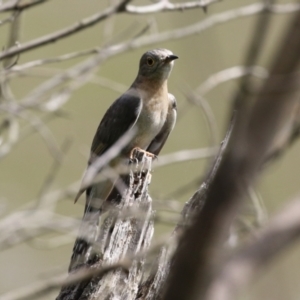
x=137, y=149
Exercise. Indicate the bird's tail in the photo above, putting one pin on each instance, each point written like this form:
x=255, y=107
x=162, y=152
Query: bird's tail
x=96, y=195
x=87, y=234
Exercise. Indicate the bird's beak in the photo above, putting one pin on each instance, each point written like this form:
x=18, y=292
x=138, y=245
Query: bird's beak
x=171, y=58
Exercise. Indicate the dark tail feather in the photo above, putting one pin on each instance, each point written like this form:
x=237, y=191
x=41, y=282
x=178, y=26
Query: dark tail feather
x=88, y=231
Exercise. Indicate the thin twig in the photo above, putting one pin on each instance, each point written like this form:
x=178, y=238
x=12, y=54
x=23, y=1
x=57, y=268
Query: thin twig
x=13, y=39
x=8, y=19
x=209, y=116
x=38, y=289
x=40, y=62
x=229, y=74
x=43, y=287
x=38, y=125
x=53, y=173
x=185, y=155
x=254, y=51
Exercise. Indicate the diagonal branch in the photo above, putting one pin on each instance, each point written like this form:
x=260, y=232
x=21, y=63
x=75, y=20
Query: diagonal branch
x=282, y=231
x=15, y=5
x=53, y=37
x=166, y=6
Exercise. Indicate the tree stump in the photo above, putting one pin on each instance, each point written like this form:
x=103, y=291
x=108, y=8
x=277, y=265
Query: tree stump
x=124, y=237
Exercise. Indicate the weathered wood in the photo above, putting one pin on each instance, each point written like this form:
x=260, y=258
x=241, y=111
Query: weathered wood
x=124, y=236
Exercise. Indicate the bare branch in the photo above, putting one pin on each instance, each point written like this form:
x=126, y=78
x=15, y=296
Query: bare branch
x=41, y=288
x=229, y=74
x=214, y=20
x=15, y=5
x=52, y=174
x=45, y=286
x=7, y=20
x=13, y=39
x=166, y=6
x=83, y=24
x=185, y=155
x=240, y=270
x=40, y=62
x=38, y=125
x=258, y=39
x=26, y=225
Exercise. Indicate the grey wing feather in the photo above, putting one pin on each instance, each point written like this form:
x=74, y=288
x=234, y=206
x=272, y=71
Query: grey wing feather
x=121, y=116
x=160, y=139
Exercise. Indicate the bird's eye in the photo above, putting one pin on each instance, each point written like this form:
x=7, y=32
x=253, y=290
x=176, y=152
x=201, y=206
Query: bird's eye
x=150, y=61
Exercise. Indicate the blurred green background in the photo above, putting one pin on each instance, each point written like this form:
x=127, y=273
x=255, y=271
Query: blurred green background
x=25, y=168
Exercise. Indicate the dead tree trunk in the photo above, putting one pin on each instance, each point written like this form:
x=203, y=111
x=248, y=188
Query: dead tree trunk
x=125, y=236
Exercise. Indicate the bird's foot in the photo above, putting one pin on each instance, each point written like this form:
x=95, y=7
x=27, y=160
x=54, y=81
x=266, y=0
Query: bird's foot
x=134, y=151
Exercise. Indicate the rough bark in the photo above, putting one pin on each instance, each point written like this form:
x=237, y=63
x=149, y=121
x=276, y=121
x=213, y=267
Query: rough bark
x=124, y=237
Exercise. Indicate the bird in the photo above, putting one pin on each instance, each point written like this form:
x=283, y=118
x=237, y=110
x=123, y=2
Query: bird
x=147, y=110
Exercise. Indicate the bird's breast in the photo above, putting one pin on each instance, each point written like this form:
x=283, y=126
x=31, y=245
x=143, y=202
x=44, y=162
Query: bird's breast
x=151, y=120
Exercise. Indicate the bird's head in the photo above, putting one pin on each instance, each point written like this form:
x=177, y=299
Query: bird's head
x=157, y=64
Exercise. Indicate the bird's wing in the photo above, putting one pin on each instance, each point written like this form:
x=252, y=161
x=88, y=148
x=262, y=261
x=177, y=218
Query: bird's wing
x=118, y=119
x=160, y=139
